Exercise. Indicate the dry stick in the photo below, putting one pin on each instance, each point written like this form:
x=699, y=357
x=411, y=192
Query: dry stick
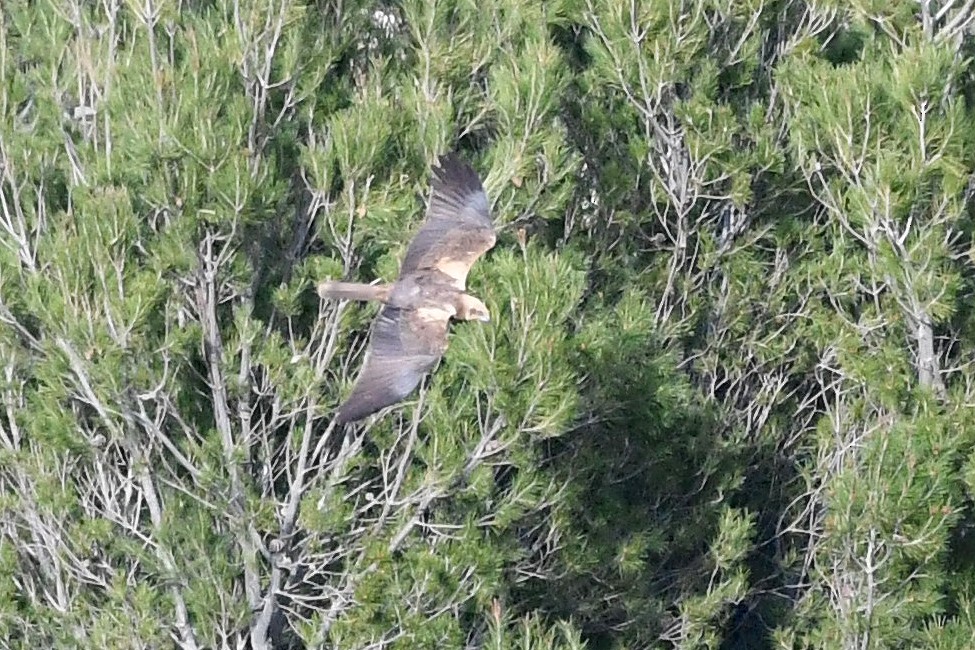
x=299, y=485
x=206, y=298
x=290, y=515
x=186, y=634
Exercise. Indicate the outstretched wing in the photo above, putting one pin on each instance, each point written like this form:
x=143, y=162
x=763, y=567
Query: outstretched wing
x=458, y=227
x=404, y=345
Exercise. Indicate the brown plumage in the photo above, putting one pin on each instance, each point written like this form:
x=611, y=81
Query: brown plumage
x=410, y=334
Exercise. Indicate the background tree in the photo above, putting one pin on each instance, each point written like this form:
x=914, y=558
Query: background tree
x=723, y=401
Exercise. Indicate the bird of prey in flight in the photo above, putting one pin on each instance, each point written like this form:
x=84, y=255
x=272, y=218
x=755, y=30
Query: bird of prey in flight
x=409, y=335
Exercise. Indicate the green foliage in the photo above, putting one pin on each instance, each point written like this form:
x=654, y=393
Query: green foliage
x=722, y=402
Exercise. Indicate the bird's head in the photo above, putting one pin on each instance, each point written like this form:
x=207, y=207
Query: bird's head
x=473, y=309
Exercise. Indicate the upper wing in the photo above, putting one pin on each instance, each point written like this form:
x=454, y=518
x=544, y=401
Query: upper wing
x=458, y=227
x=404, y=345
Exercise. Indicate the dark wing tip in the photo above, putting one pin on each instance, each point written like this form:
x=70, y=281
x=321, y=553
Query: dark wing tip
x=458, y=193
x=373, y=398
x=454, y=172
x=360, y=405
x=345, y=414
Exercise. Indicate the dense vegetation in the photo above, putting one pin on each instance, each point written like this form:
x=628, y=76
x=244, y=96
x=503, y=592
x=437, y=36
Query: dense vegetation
x=725, y=400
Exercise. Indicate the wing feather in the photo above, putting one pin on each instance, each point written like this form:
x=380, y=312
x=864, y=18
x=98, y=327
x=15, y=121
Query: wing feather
x=458, y=227
x=404, y=345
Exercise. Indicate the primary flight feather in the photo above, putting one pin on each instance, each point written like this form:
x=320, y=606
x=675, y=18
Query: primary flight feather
x=409, y=335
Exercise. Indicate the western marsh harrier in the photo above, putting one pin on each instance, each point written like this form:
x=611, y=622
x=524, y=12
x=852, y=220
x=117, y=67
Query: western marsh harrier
x=410, y=334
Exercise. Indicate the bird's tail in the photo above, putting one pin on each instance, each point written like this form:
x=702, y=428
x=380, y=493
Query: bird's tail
x=353, y=291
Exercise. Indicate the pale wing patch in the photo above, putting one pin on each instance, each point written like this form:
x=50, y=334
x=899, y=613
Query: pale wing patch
x=436, y=314
x=456, y=269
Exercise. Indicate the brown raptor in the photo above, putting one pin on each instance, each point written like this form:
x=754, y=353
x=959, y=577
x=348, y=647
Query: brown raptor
x=409, y=335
